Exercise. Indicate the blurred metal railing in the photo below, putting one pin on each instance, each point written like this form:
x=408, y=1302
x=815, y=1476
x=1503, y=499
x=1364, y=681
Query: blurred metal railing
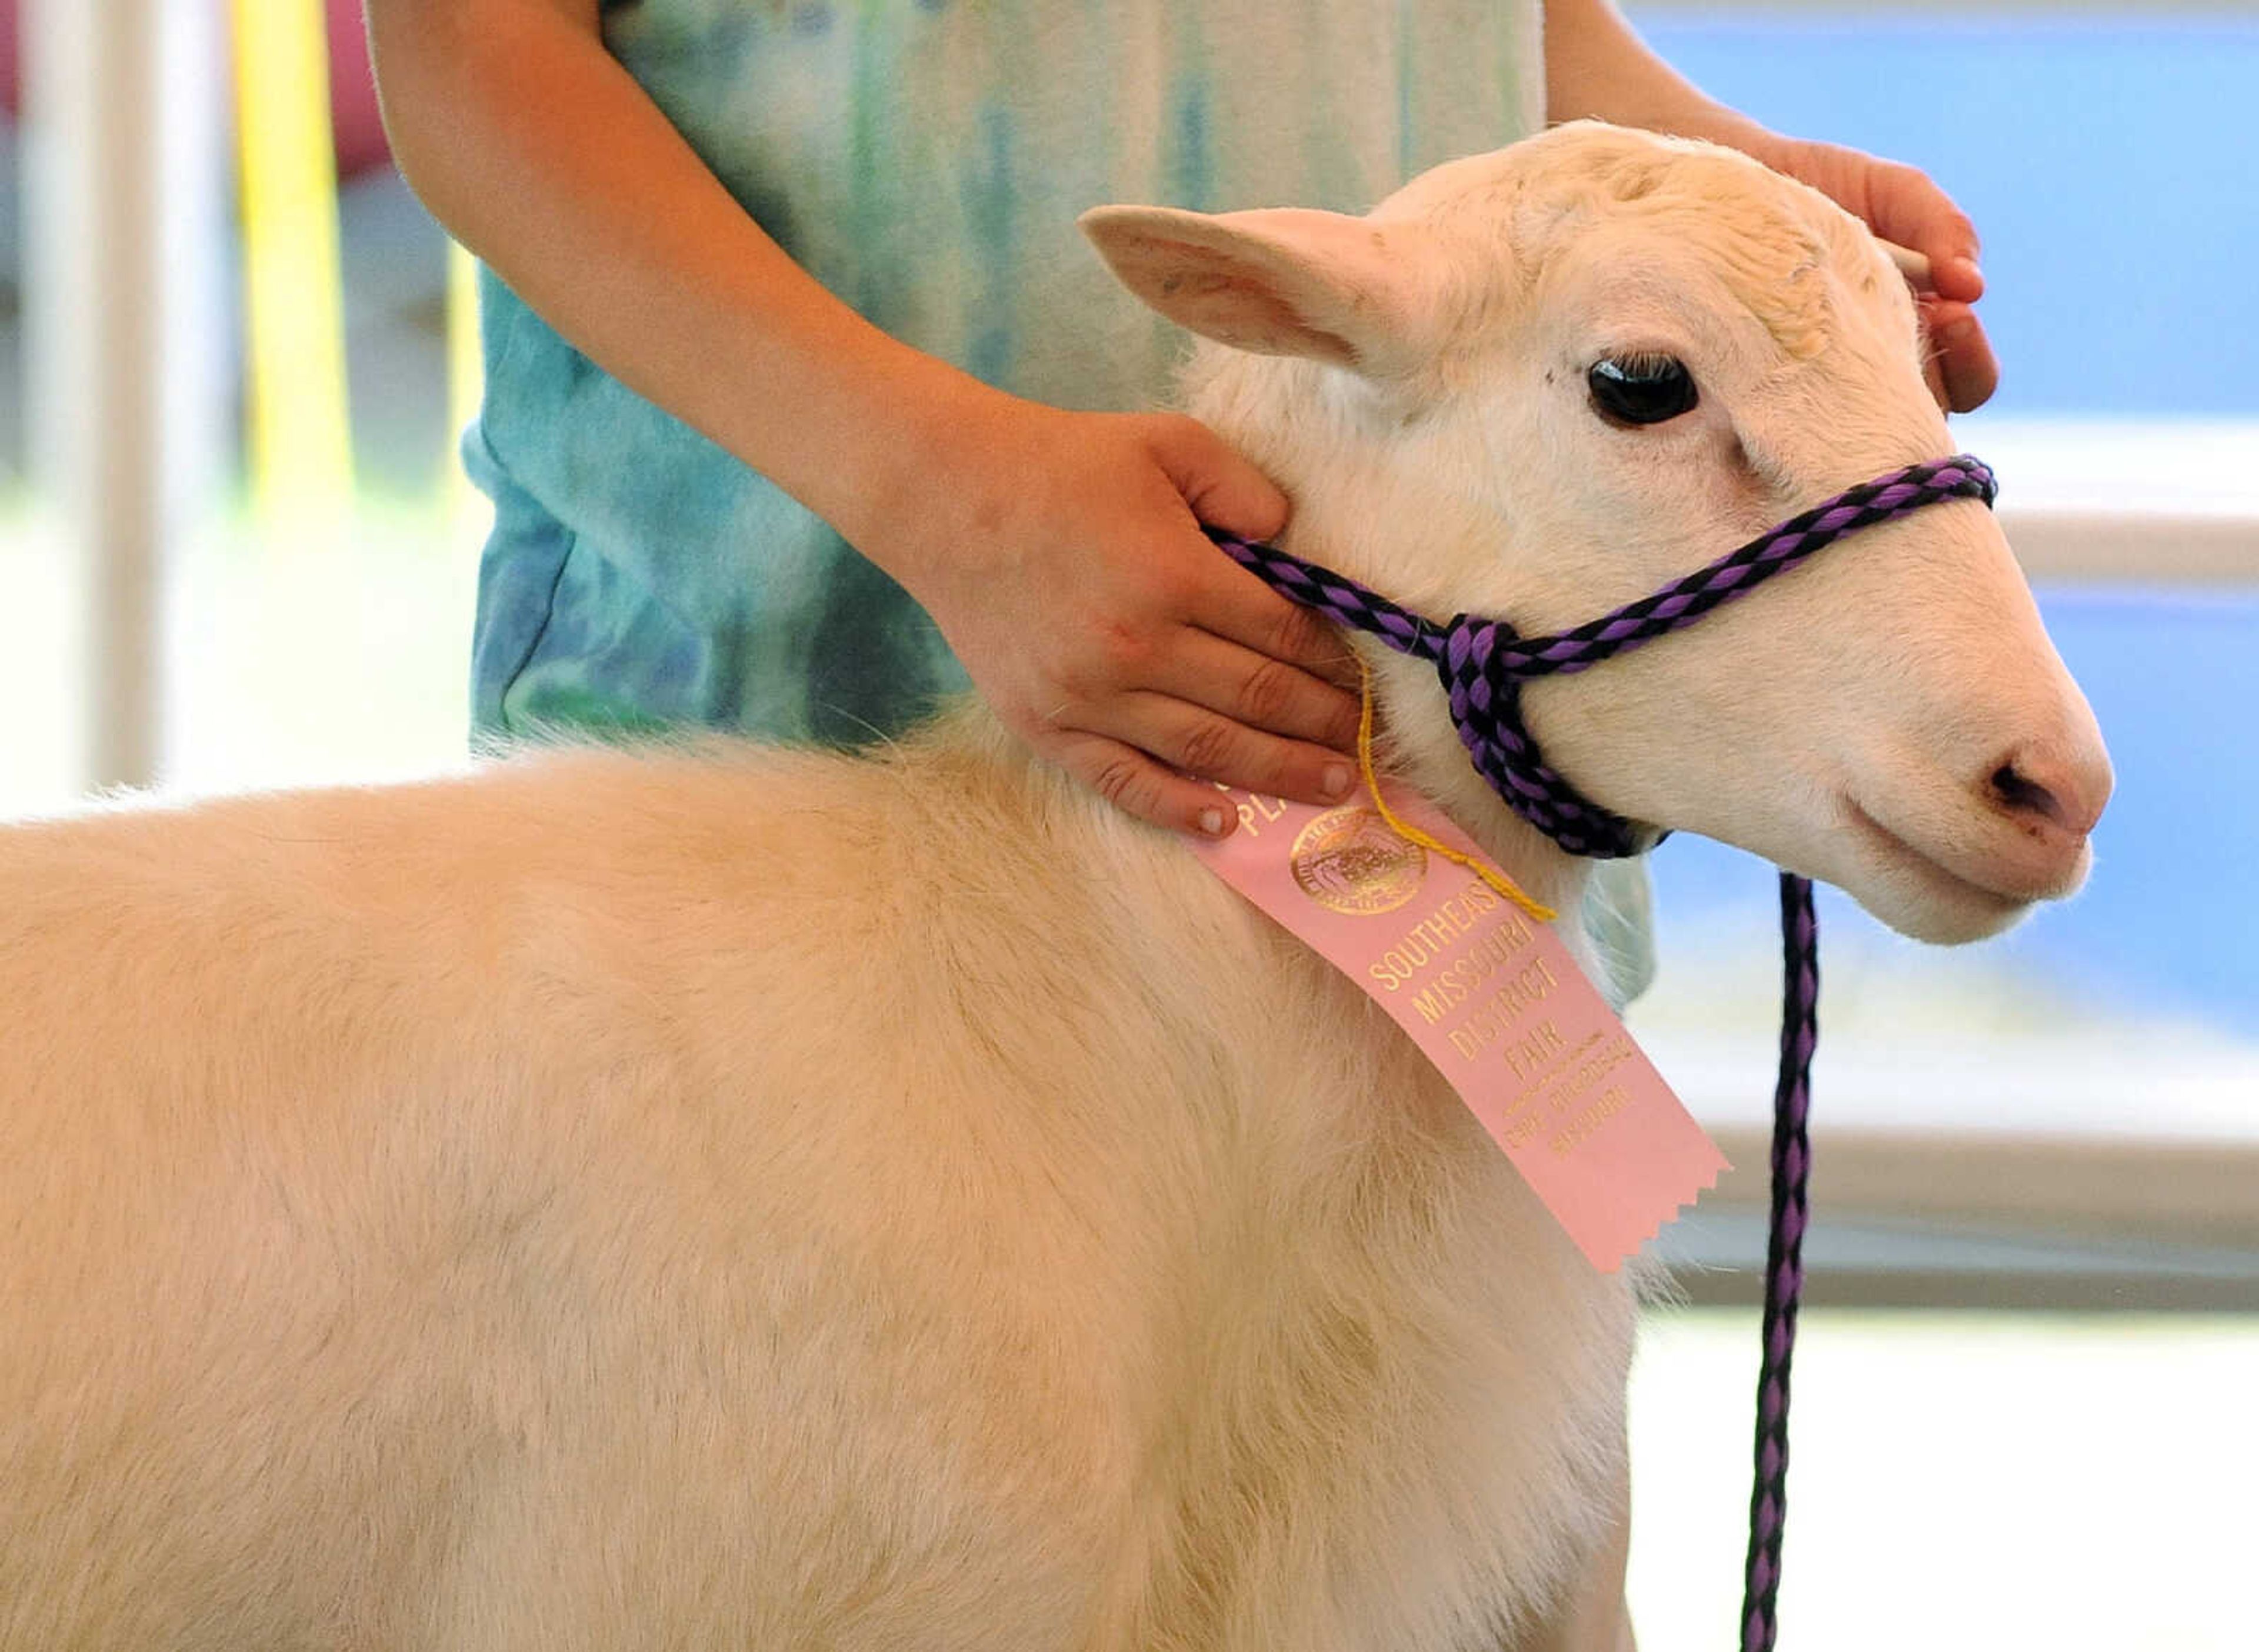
x=104, y=200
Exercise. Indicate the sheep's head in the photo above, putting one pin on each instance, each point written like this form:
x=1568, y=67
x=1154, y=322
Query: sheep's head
x=1540, y=383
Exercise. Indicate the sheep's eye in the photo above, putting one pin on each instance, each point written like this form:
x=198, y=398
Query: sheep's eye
x=1640, y=389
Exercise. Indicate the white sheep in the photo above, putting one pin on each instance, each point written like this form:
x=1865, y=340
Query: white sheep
x=728, y=1198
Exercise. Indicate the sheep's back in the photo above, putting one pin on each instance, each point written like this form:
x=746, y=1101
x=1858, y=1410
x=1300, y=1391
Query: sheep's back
x=865, y=1196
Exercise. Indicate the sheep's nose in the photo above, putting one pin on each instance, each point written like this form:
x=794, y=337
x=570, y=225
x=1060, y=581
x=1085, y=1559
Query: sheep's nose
x=2048, y=793
x=2040, y=800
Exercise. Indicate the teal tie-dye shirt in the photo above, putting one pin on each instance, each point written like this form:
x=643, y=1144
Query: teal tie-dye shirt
x=926, y=160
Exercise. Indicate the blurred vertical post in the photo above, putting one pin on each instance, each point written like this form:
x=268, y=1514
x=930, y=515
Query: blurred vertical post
x=300, y=441
x=465, y=371
x=122, y=175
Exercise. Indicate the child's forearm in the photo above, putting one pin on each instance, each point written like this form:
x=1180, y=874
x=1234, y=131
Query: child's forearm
x=535, y=148
x=1596, y=66
x=1060, y=553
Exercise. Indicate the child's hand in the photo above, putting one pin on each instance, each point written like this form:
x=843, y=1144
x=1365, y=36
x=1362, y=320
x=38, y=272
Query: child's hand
x=1900, y=203
x=1596, y=65
x=1062, y=556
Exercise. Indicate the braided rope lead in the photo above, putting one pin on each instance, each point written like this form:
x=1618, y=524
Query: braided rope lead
x=1791, y=1166
x=1738, y=572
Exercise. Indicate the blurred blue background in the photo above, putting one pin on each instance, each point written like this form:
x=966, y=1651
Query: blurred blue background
x=2117, y=284
x=2120, y=285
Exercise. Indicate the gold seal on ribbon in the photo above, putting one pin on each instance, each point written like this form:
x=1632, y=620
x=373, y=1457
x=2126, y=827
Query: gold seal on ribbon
x=1350, y=860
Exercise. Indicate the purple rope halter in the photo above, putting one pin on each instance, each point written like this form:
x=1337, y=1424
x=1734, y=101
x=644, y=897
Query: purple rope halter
x=1483, y=664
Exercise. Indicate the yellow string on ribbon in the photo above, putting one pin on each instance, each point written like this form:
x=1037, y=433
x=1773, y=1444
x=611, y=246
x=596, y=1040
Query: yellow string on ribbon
x=1410, y=833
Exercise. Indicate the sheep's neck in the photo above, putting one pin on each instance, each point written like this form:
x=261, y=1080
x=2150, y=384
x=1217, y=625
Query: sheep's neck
x=1354, y=510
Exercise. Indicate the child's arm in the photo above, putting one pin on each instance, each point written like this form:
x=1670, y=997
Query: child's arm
x=1059, y=552
x=1596, y=65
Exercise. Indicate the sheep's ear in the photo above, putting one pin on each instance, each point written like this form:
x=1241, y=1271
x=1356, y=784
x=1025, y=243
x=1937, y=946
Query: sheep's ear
x=1282, y=281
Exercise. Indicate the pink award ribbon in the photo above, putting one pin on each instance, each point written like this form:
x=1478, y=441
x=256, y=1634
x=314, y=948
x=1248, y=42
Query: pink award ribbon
x=1492, y=996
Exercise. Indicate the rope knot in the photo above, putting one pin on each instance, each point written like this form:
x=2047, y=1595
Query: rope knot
x=1482, y=672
